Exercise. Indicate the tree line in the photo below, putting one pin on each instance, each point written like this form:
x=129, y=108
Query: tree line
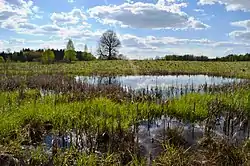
x=108, y=46
x=49, y=55
x=188, y=57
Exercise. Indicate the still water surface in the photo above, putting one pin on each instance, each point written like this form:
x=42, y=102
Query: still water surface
x=142, y=82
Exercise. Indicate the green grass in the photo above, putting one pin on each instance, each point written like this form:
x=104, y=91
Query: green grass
x=233, y=69
x=194, y=106
x=98, y=111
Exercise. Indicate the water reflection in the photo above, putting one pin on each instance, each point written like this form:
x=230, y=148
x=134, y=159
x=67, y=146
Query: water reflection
x=143, y=82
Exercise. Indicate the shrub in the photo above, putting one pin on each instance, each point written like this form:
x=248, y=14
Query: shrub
x=70, y=55
x=48, y=57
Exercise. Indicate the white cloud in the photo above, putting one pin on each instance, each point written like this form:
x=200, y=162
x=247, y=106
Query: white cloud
x=199, y=10
x=50, y=28
x=27, y=26
x=14, y=44
x=17, y=20
x=73, y=17
x=153, y=42
x=162, y=15
x=15, y=41
x=241, y=34
x=236, y=51
x=146, y=53
x=79, y=33
x=245, y=24
x=35, y=9
x=150, y=46
x=230, y=44
x=231, y=5
x=71, y=1
x=14, y=12
x=19, y=8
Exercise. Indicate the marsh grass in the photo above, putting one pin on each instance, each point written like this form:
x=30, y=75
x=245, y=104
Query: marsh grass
x=125, y=67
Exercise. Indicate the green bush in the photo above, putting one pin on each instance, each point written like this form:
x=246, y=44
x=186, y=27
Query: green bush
x=48, y=56
x=86, y=56
x=70, y=55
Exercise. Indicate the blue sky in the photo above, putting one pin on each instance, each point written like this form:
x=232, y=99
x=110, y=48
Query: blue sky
x=146, y=28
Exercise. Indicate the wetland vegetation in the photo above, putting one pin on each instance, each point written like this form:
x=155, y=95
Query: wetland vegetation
x=131, y=67
x=57, y=119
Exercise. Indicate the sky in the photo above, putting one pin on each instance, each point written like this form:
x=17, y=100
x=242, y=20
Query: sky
x=146, y=28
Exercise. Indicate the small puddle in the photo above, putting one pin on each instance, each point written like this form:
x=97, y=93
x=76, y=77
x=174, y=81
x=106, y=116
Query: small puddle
x=150, y=135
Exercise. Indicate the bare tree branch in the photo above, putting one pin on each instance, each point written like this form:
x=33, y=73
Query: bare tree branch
x=108, y=45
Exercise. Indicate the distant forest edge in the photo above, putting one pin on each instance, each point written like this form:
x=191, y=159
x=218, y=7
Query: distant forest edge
x=28, y=55
x=228, y=58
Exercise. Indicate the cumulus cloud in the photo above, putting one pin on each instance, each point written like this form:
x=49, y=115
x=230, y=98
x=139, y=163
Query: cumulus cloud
x=241, y=34
x=19, y=8
x=73, y=17
x=14, y=12
x=231, y=5
x=162, y=15
x=15, y=16
x=79, y=33
x=158, y=42
x=152, y=42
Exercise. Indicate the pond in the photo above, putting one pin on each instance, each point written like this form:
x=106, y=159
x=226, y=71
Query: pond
x=141, y=82
x=162, y=87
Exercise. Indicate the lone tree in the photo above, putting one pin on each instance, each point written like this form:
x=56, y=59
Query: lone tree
x=70, y=54
x=108, y=45
x=48, y=56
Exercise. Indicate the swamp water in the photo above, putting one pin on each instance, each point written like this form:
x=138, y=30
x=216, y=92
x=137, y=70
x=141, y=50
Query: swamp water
x=163, y=87
x=162, y=82
x=150, y=133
